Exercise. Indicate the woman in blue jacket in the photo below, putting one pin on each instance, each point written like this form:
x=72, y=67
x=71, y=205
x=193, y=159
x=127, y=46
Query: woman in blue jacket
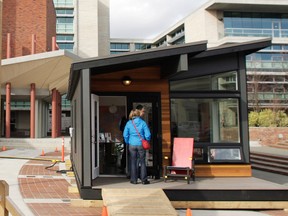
x=136, y=150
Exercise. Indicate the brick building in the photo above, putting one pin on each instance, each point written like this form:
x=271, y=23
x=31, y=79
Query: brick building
x=23, y=19
x=34, y=73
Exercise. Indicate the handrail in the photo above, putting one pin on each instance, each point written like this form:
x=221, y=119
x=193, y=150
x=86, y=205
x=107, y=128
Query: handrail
x=7, y=205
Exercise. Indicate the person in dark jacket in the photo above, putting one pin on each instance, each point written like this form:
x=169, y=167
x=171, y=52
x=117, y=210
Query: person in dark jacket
x=134, y=142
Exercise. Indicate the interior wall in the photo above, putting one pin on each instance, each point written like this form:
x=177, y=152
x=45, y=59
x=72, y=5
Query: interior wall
x=145, y=81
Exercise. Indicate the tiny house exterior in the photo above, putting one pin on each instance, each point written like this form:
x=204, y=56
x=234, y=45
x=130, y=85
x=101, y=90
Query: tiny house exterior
x=187, y=90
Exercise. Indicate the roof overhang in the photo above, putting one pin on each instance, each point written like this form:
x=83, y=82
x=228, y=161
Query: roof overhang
x=138, y=58
x=167, y=58
x=276, y=6
x=245, y=48
x=47, y=70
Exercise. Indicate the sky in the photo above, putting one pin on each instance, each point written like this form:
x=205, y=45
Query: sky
x=146, y=19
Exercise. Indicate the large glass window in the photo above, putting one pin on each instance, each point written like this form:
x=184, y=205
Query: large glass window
x=207, y=120
x=255, y=24
x=224, y=82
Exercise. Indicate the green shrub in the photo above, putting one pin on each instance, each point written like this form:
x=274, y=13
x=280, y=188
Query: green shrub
x=281, y=119
x=253, y=119
x=268, y=118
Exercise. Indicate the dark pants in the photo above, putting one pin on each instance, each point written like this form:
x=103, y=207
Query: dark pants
x=137, y=157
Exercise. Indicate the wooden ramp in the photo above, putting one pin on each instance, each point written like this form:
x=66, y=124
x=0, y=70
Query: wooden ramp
x=148, y=201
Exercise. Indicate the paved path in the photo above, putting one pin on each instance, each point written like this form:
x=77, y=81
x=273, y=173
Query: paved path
x=9, y=169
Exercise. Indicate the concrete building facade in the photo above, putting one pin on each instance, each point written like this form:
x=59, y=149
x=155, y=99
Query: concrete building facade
x=83, y=27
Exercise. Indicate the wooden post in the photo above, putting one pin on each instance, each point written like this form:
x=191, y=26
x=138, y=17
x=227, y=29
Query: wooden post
x=4, y=191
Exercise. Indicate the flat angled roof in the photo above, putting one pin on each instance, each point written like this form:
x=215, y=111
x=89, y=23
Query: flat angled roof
x=160, y=56
x=244, y=47
x=141, y=56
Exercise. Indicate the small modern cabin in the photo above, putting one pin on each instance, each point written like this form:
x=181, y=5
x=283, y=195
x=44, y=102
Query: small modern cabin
x=187, y=90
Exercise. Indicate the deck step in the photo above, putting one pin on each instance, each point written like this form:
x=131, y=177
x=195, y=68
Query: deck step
x=282, y=161
x=124, y=201
x=269, y=163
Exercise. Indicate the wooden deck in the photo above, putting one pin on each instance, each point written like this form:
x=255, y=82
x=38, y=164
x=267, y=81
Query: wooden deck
x=129, y=201
x=209, y=193
x=224, y=183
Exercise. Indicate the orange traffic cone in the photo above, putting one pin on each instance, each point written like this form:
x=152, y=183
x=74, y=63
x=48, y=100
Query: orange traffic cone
x=188, y=212
x=4, y=148
x=104, y=211
x=43, y=154
x=56, y=149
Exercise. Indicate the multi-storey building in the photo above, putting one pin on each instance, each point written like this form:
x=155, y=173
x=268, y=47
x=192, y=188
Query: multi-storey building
x=224, y=22
x=83, y=26
x=34, y=74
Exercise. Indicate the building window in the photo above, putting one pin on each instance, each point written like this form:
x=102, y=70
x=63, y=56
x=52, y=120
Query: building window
x=116, y=48
x=66, y=46
x=142, y=46
x=62, y=3
x=119, y=46
x=224, y=154
x=207, y=120
x=255, y=24
x=65, y=38
x=64, y=12
x=64, y=25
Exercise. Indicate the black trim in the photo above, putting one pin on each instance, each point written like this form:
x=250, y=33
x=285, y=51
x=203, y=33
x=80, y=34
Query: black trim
x=207, y=94
x=226, y=195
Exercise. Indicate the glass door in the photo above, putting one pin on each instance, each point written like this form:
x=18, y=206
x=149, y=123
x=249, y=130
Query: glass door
x=95, y=135
x=111, y=146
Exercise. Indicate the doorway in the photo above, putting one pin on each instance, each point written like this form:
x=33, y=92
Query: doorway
x=151, y=103
x=112, y=154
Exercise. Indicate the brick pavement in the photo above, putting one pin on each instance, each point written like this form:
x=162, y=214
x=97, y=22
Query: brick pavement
x=46, y=192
